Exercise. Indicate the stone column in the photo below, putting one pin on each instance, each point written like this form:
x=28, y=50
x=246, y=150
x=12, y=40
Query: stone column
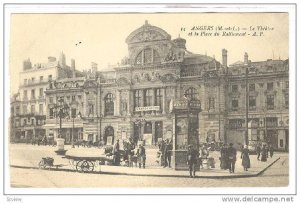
x=130, y=105
x=153, y=100
x=164, y=100
x=153, y=132
x=117, y=103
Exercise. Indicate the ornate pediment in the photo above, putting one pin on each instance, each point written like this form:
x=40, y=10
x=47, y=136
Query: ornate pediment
x=90, y=84
x=147, y=33
x=122, y=81
x=168, y=78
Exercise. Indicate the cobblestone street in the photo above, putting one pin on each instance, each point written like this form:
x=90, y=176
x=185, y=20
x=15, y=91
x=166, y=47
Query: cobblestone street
x=275, y=176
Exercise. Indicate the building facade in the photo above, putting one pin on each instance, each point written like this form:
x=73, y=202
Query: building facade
x=135, y=98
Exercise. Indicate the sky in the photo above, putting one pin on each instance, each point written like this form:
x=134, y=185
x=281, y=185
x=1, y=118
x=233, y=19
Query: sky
x=102, y=37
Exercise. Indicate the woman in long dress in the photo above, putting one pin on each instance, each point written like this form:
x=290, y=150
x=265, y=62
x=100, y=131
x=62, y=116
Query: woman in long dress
x=245, y=158
x=224, y=158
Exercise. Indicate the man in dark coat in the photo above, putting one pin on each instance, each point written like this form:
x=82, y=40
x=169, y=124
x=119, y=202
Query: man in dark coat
x=168, y=152
x=224, y=157
x=192, y=156
x=271, y=149
x=264, y=153
x=258, y=151
x=231, y=158
x=116, y=153
x=141, y=155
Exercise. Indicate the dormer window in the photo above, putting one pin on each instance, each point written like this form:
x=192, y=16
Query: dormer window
x=147, y=56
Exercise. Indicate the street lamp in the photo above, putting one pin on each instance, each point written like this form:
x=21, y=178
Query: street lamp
x=73, y=114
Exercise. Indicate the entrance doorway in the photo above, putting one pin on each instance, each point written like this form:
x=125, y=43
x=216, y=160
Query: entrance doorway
x=108, y=136
x=158, y=131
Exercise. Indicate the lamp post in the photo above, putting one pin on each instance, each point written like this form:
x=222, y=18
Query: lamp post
x=73, y=113
x=246, y=139
x=62, y=109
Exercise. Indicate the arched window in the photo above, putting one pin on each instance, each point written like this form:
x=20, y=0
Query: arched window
x=148, y=56
x=109, y=105
x=191, y=93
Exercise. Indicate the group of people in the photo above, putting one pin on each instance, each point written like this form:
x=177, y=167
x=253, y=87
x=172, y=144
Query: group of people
x=228, y=157
x=129, y=154
x=165, y=152
x=264, y=151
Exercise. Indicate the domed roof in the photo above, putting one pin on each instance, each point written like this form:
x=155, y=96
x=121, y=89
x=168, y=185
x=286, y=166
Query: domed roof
x=147, y=32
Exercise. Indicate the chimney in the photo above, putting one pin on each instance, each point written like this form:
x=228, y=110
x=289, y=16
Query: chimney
x=62, y=60
x=94, y=67
x=224, y=57
x=246, y=61
x=73, y=68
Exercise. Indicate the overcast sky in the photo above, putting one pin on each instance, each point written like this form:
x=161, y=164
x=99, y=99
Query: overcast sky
x=102, y=37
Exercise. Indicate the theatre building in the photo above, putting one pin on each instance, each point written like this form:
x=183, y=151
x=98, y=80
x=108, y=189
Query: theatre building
x=136, y=97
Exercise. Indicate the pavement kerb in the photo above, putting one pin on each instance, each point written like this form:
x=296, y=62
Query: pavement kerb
x=158, y=175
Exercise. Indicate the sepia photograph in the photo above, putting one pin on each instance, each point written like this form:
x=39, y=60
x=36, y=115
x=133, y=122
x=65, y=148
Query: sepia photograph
x=149, y=100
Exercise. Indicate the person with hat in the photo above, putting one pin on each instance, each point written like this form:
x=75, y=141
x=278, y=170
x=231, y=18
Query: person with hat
x=264, y=153
x=116, y=153
x=168, y=153
x=231, y=151
x=192, y=156
x=224, y=157
x=141, y=155
x=245, y=158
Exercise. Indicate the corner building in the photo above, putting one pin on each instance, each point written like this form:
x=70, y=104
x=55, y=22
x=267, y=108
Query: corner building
x=135, y=99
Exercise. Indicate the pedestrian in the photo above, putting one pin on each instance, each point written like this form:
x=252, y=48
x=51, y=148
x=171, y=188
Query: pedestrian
x=130, y=153
x=168, y=152
x=116, y=153
x=264, y=153
x=231, y=158
x=271, y=149
x=224, y=157
x=162, y=146
x=245, y=158
x=192, y=156
x=141, y=155
x=258, y=151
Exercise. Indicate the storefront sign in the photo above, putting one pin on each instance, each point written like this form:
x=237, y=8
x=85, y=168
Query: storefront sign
x=148, y=108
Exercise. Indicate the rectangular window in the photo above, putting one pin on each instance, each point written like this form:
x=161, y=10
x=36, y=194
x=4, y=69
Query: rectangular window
x=32, y=108
x=158, y=99
x=236, y=123
x=270, y=102
x=234, y=88
x=24, y=109
x=270, y=86
x=41, y=111
x=286, y=101
x=252, y=103
x=50, y=100
x=272, y=122
x=91, y=109
x=73, y=98
x=25, y=95
x=211, y=103
x=73, y=113
x=148, y=128
x=33, y=94
x=32, y=79
x=235, y=104
x=25, y=121
x=25, y=81
x=32, y=121
x=148, y=97
x=41, y=92
x=41, y=78
x=251, y=87
x=17, y=110
x=138, y=98
x=51, y=113
x=49, y=77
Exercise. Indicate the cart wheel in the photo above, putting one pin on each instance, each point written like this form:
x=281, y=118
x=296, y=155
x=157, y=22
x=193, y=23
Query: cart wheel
x=78, y=166
x=85, y=166
x=42, y=164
